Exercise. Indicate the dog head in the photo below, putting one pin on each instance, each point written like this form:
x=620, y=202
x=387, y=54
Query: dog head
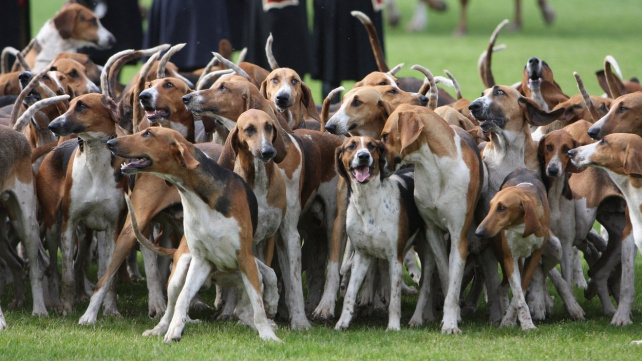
x=284, y=88
x=513, y=208
x=363, y=112
x=90, y=116
x=396, y=96
x=75, y=76
x=378, y=78
x=226, y=100
x=620, y=153
x=553, y=153
x=163, y=104
x=78, y=23
x=624, y=116
x=91, y=69
x=157, y=150
x=503, y=108
x=361, y=159
x=258, y=133
x=576, y=108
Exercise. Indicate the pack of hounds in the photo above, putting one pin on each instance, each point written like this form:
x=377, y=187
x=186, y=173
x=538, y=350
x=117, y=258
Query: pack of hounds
x=217, y=176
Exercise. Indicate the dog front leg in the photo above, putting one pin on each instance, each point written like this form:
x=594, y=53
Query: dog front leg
x=252, y=282
x=394, y=308
x=622, y=316
x=360, y=266
x=199, y=270
x=458, y=254
x=68, y=283
x=423, y=310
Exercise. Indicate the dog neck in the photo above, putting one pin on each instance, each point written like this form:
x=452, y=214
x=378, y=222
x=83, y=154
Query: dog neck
x=253, y=171
x=52, y=44
x=367, y=197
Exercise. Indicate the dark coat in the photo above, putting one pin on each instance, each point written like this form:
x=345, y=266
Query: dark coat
x=341, y=44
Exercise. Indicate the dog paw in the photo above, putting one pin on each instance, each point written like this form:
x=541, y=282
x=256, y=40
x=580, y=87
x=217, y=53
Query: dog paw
x=87, y=319
x=173, y=334
x=450, y=330
x=159, y=330
x=621, y=319
x=409, y=290
x=581, y=283
x=225, y=317
x=415, y=321
x=3, y=324
x=394, y=326
x=268, y=335
x=156, y=308
x=324, y=311
x=17, y=302
x=40, y=312
x=112, y=312
x=528, y=326
x=507, y=323
x=342, y=325
x=575, y=312
x=300, y=325
x=638, y=343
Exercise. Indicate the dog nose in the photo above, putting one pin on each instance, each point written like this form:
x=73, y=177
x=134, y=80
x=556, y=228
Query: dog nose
x=111, y=144
x=55, y=125
x=268, y=153
x=475, y=106
x=594, y=132
x=187, y=98
x=145, y=96
x=282, y=97
x=553, y=171
x=111, y=40
x=479, y=232
x=423, y=100
x=25, y=78
x=572, y=152
x=533, y=61
x=331, y=128
x=363, y=156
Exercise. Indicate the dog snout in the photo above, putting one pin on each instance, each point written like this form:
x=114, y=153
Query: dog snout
x=55, y=125
x=593, y=132
x=572, y=153
x=553, y=171
x=363, y=157
x=112, y=144
x=111, y=40
x=331, y=128
x=480, y=232
x=145, y=97
x=533, y=61
x=475, y=106
x=25, y=78
x=268, y=152
x=187, y=98
x=423, y=100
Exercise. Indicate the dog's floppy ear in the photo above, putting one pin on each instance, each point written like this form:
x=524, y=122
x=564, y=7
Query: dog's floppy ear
x=339, y=164
x=263, y=89
x=386, y=108
x=228, y=154
x=631, y=164
x=383, y=160
x=536, y=116
x=112, y=107
x=308, y=102
x=570, y=166
x=531, y=222
x=183, y=156
x=64, y=22
x=409, y=130
x=279, y=144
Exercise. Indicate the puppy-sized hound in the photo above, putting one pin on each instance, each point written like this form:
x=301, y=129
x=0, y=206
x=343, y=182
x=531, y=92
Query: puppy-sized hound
x=374, y=196
x=220, y=216
x=72, y=28
x=520, y=210
x=453, y=176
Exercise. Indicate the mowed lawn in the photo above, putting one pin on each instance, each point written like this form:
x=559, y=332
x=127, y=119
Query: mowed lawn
x=584, y=32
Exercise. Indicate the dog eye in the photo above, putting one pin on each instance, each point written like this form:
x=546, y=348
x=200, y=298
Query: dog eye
x=392, y=91
x=222, y=87
x=565, y=149
x=383, y=83
x=73, y=74
x=356, y=102
x=549, y=147
x=147, y=134
x=621, y=109
x=294, y=81
x=275, y=80
x=602, y=142
x=384, y=138
x=80, y=106
x=604, y=108
x=168, y=85
x=250, y=130
x=268, y=128
x=499, y=92
x=501, y=208
x=371, y=146
x=351, y=146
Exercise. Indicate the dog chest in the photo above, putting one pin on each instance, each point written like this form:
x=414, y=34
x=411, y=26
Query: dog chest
x=209, y=233
x=519, y=246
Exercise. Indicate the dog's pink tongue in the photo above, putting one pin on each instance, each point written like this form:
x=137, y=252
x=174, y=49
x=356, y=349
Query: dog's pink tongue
x=362, y=174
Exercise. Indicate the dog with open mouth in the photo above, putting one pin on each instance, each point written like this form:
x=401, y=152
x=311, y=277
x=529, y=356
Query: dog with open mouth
x=212, y=196
x=374, y=194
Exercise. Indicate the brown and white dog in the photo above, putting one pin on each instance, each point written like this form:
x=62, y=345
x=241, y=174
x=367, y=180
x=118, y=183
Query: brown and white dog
x=453, y=178
x=284, y=87
x=520, y=210
x=211, y=195
x=72, y=28
x=374, y=195
x=92, y=188
x=624, y=116
x=18, y=198
x=621, y=156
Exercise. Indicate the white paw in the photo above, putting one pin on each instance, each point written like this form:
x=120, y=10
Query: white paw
x=174, y=333
x=621, y=319
x=87, y=319
x=157, y=307
x=415, y=322
x=342, y=325
x=269, y=336
x=300, y=325
x=576, y=312
x=159, y=330
x=394, y=326
x=324, y=311
x=506, y=322
x=3, y=324
x=528, y=326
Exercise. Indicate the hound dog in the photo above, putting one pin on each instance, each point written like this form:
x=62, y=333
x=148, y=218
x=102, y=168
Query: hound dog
x=453, y=174
x=284, y=87
x=520, y=210
x=72, y=28
x=211, y=195
x=623, y=117
x=619, y=155
x=18, y=198
x=375, y=195
x=310, y=178
x=75, y=76
x=91, y=191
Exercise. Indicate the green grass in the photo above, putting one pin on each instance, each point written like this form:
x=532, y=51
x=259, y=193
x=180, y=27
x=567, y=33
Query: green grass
x=584, y=32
